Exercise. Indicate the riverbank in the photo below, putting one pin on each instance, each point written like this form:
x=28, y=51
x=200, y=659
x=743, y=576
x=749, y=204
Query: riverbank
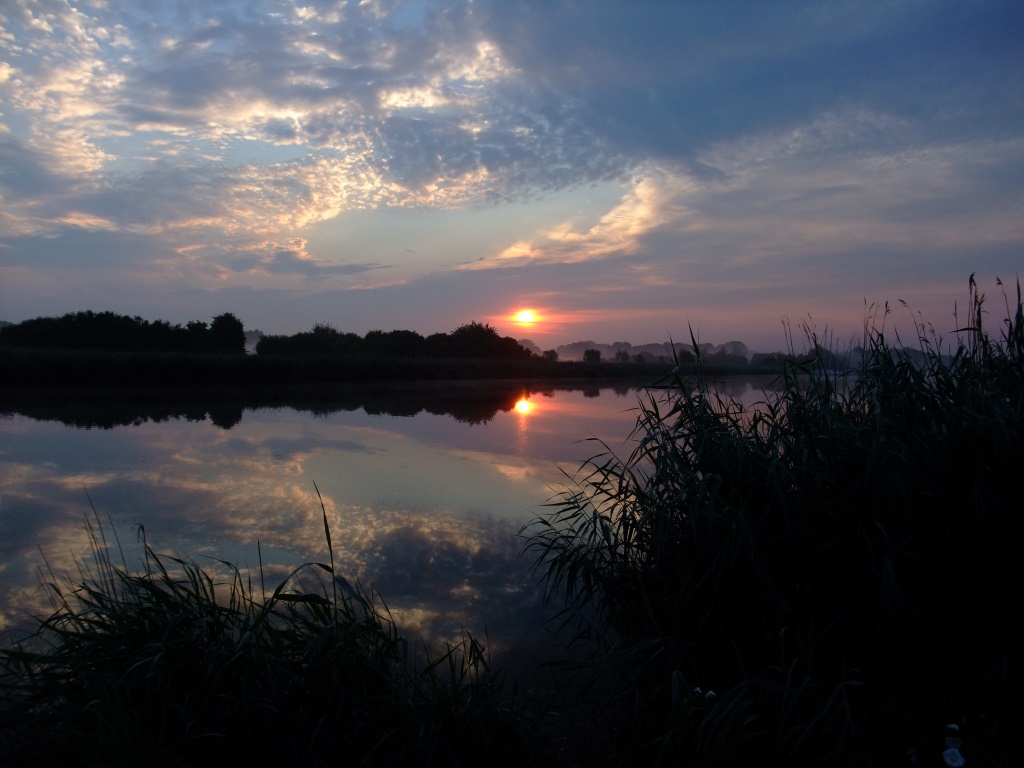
x=83, y=369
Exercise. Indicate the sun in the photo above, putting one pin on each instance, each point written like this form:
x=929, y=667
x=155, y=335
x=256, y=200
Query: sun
x=526, y=317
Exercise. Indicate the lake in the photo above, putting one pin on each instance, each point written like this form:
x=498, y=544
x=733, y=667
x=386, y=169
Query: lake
x=424, y=488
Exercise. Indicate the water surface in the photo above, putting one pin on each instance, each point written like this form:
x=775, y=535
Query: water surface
x=424, y=489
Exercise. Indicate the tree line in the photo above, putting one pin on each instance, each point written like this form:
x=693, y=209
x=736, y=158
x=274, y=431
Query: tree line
x=225, y=334
x=109, y=331
x=470, y=341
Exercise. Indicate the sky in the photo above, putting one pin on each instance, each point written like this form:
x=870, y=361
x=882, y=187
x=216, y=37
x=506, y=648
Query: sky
x=628, y=171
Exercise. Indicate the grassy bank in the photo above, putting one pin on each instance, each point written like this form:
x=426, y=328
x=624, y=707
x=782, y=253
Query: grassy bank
x=173, y=664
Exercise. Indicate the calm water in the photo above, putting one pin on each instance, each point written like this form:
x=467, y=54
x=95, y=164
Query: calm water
x=424, y=506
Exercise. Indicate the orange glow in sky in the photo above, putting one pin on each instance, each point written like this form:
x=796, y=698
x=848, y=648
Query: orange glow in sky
x=526, y=317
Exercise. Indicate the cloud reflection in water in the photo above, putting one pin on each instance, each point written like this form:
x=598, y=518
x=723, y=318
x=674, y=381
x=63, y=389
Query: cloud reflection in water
x=424, y=508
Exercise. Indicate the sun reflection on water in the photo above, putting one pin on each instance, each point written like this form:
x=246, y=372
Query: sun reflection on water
x=524, y=408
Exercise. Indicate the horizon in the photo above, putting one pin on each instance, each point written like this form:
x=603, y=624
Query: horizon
x=623, y=172
x=522, y=340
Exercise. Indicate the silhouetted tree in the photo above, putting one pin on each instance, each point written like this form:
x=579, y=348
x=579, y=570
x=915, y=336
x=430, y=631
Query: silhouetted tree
x=591, y=356
x=622, y=356
x=770, y=359
x=476, y=340
x=199, y=336
x=550, y=355
x=110, y=331
x=395, y=344
x=473, y=340
x=322, y=340
x=226, y=416
x=735, y=349
x=228, y=334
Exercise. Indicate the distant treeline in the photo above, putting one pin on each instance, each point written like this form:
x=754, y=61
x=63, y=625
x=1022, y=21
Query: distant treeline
x=104, y=349
x=226, y=334
x=470, y=341
x=120, y=333
x=109, y=331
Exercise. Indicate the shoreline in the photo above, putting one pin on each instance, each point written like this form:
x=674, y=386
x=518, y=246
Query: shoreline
x=60, y=371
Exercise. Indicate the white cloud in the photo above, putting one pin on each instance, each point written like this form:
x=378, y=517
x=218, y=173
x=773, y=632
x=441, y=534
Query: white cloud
x=651, y=203
x=288, y=257
x=380, y=114
x=857, y=179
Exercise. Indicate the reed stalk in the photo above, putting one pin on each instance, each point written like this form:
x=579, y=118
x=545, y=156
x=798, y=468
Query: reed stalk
x=836, y=563
x=181, y=664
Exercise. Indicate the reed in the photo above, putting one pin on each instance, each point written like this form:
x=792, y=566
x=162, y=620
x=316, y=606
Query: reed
x=836, y=563
x=177, y=664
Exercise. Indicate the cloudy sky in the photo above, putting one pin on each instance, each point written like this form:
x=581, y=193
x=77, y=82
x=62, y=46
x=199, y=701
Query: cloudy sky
x=626, y=170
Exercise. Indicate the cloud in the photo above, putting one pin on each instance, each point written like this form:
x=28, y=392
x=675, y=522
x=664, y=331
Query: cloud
x=198, y=150
x=845, y=179
x=25, y=172
x=289, y=258
x=854, y=178
x=385, y=114
x=661, y=81
x=644, y=208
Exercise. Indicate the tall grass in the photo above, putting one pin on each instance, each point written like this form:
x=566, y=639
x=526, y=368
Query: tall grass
x=176, y=664
x=838, y=564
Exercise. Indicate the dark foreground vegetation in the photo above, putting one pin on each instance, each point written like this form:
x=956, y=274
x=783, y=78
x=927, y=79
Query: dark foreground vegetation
x=176, y=665
x=829, y=579
x=840, y=567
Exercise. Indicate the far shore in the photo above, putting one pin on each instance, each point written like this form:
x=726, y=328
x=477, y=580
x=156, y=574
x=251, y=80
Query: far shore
x=41, y=371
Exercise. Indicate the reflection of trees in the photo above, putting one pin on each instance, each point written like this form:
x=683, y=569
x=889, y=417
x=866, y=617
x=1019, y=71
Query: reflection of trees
x=731, y=389
x=107, y=412
x=226, y=416
x=468, y=402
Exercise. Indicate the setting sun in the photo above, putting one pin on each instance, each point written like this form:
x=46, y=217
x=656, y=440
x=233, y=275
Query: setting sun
x=524, y=406
x=526, y=316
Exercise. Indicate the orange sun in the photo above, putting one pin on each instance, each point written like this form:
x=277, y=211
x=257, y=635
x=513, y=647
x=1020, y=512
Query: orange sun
x=526, y=317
